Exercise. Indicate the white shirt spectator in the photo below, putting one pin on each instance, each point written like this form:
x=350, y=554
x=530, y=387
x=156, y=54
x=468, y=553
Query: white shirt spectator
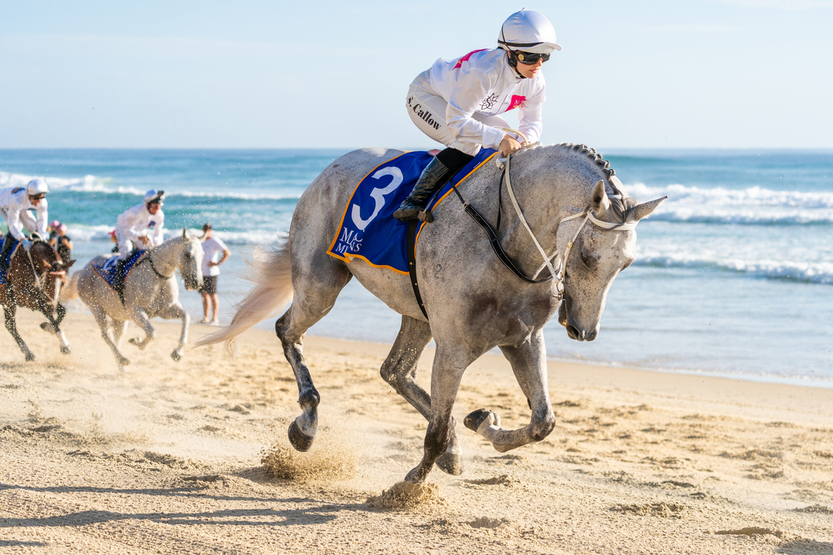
x=213, y=249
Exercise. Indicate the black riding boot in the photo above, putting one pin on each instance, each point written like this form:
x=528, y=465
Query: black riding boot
x=118, y=284
x=7, y=246
x=432, y=178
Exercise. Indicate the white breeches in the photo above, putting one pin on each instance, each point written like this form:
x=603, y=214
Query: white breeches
x=125, y=246
x=427, y=111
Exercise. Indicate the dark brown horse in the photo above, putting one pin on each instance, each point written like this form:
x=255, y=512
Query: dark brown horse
x=34, y=281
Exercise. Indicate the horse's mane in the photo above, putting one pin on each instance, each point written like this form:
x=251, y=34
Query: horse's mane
x=620, y=201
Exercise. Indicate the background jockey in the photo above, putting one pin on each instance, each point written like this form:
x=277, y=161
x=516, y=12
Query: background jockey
x=14, y=205
x=140, y=226
x=457, y=102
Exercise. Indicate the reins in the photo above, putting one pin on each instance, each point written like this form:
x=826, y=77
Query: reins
x=149, y=258
x=494, y=239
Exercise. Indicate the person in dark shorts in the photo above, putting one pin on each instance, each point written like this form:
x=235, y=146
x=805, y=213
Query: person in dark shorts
x=215, y=253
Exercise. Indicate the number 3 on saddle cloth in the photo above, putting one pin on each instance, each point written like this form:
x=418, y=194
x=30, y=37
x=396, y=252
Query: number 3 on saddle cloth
x=368, y=229
x=107, y=271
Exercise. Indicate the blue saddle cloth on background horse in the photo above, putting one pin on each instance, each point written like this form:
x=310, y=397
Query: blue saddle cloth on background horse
x=368, y=229
x=107, y=271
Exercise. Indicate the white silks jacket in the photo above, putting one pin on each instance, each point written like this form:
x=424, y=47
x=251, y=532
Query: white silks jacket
x=136, y=221
x=14, y=205
x=483, y=81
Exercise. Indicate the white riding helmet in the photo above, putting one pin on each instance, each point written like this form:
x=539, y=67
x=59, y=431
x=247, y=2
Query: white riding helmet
x=37, y=187
x=154, y=196
x=528, y=31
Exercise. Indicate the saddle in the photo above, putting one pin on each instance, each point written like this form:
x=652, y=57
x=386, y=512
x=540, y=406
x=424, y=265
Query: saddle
x=107, y=270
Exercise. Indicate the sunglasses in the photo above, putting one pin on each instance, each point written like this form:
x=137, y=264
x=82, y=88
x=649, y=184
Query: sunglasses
x=38, y=197
x=530, y=58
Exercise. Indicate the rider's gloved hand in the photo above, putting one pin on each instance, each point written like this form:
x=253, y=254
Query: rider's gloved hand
x=27, y=244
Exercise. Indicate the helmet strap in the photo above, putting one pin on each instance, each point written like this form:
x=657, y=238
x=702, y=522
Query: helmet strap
x=513, y=62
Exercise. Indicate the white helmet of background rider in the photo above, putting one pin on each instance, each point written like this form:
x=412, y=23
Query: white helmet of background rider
x=36, y=187
x=528, y=31
x=154, y=196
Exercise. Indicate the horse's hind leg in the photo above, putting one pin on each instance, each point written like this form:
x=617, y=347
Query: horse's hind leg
x=399, y=370
x=10, y=310
x=530, y=367
x=317, y=283
x=101, y=319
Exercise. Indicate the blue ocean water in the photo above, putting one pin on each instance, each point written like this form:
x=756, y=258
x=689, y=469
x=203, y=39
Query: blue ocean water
x=733, y=276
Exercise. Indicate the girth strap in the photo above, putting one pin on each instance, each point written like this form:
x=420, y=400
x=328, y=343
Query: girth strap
x=410, y=248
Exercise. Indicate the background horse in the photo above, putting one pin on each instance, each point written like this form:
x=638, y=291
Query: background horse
x=569, y=196
x=149, y=291
x=36, y=279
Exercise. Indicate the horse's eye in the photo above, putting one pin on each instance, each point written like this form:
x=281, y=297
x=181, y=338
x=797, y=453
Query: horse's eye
x=585, y=260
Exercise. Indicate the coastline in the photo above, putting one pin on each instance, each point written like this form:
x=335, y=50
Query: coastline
x=168, y=456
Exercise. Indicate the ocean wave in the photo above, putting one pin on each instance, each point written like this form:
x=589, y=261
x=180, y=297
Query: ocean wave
x=750, y=206
x=720, y=196
x=806, y=272
x=101, y=233
x=97, y=185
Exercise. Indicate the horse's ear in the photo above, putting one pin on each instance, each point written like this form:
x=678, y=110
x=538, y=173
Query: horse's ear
x=185, y=233
x=641, y=210
x=599, y=203
x=68, y=264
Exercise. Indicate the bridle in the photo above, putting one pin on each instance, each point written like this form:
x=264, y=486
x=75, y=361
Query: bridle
x=40, y=276
x=494, y=239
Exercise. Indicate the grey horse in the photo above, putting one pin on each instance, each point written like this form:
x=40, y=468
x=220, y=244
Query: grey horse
x=568, y=199
x=149, y=291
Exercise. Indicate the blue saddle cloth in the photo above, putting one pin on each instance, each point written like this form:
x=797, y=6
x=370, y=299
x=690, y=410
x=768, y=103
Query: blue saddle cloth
x=107, y=271
x=368, y=229
x=8, y=257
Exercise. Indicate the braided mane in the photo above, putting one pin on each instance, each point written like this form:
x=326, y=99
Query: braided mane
x=620, y=201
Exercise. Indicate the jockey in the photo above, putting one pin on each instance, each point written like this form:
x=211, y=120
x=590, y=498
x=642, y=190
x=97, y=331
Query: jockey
x=14, y=205
x=457, y=102
x=139, y=225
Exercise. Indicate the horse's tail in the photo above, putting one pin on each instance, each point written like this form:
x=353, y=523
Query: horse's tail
x=271, y=274
x=69, y=292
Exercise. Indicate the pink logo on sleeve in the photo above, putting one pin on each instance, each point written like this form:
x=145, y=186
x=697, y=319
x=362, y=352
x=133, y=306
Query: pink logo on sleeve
x=515, y=102
x=466, y=58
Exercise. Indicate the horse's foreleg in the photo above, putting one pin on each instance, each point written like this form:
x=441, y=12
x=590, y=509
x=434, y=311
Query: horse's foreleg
x=530, y=367
x=399, y=370
x=119, y=327
x=46, y=309
x=10, y=310
x=447, y=372
x=101, y=319
x=175, y=311
x=141, y=318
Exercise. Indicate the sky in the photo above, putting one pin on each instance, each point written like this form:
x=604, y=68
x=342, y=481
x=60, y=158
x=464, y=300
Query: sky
x=334, y=74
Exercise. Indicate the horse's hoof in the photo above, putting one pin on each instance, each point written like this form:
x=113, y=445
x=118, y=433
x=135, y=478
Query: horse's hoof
x=30, y=357
x=122, y=363
x=415, y=476
x=176, y=356
x=450, y=463
x=475, y=419
x=299, y=440
x=65, y=349
x=43, y=326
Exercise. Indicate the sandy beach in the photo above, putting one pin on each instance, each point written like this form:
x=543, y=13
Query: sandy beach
x=192, y=457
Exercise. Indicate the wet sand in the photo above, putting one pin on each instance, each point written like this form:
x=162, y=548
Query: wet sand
x=192, y=457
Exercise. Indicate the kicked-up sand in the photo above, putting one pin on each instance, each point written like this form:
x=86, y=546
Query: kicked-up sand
x=192, y=457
